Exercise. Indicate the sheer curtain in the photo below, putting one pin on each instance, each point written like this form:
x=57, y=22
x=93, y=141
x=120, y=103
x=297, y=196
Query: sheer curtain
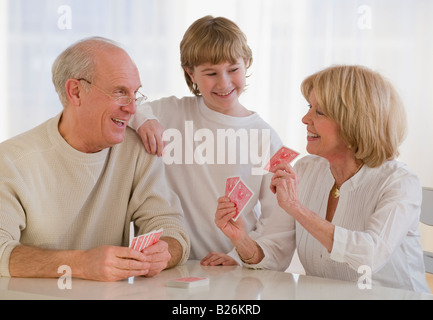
x=290, y=40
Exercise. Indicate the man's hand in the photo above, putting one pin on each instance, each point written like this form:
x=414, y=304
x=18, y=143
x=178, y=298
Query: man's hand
x=109, y=263
x=157, y=256
x=106, y=263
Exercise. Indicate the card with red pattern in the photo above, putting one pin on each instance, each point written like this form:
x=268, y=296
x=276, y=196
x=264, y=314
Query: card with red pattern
x=188, y=282
x=146, y=240
x=230, y=184
x=240, y=195
x=283, y=155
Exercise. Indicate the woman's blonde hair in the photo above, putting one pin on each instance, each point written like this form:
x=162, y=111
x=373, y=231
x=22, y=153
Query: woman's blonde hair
x=365, y=105
x=212, y=40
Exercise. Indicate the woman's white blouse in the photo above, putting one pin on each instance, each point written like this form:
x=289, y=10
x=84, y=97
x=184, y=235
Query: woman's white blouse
x=376, y=224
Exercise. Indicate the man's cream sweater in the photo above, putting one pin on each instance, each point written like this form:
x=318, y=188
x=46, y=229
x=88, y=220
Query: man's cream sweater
x=55, y=197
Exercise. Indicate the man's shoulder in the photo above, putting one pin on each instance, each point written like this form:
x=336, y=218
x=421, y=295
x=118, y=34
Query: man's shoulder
x=33, y=140
x=132, y=146
x=131, y=136
x=131, y=155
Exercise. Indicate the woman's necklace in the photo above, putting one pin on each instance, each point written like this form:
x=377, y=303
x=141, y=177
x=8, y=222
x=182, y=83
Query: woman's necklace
x=335, y=191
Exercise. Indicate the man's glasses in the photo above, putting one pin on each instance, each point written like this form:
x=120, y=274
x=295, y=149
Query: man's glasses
x=122, y=100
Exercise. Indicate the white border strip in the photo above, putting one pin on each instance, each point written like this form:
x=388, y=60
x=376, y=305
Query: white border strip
x=4, y=67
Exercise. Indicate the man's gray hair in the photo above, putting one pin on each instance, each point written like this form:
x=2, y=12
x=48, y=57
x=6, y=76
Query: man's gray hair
x=78, y=61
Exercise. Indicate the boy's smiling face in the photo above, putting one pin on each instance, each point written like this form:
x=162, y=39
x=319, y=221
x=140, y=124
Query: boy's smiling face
x=221, y=85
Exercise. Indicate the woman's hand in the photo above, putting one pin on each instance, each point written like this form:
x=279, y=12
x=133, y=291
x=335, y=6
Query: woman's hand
x=284, y=184
x=235, y=231
x=225, y=212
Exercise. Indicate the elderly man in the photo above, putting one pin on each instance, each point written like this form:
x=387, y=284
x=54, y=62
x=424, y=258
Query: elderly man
x=70, y=187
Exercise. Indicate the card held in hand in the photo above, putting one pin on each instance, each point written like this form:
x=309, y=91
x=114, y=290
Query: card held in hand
x=239, y=194
x=146, y=240
x=230, y=184
x=284, y=155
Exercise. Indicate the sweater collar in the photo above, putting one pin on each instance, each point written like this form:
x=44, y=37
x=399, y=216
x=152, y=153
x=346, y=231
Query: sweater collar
x=67, y=150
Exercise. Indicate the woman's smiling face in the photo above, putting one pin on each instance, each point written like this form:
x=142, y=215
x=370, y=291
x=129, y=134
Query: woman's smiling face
x=323, y=133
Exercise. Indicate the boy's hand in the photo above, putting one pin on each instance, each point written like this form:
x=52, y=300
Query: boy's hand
x=151, y=133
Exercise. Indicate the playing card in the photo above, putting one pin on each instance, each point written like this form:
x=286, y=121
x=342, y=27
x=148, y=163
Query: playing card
x=230, y=184
x=189, y=282
x=283, y=155
x=153, y=238
x=145, y=240
x=138, y=242
x=240, y=195
x=132, y=244
x=132, y=241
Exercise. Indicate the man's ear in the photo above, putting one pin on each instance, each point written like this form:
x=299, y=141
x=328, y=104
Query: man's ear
x=74, y=89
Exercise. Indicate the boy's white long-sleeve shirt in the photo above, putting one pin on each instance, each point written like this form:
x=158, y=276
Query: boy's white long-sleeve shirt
x=194, y=132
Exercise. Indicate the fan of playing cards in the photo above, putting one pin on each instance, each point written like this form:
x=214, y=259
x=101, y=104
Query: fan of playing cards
x=239, y=194
x=146, y=240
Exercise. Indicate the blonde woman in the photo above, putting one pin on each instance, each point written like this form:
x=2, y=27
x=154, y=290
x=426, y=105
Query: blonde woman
x=354, y=203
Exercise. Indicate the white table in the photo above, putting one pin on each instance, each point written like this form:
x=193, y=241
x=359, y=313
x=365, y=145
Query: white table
x=226, y=283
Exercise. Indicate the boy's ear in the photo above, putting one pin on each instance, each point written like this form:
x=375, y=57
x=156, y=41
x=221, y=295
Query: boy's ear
x=73, y=91
x=190, y=72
